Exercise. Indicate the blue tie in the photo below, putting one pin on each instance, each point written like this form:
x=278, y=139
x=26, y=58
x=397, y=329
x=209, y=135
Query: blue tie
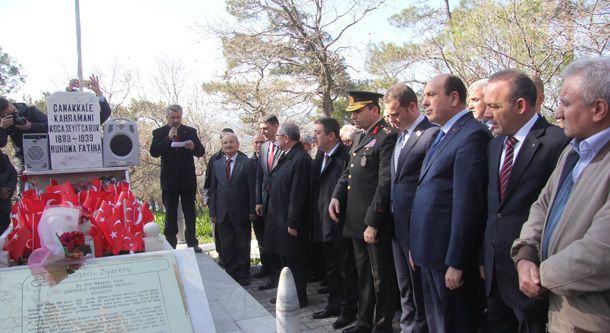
x=398, y=148
x=560, y=201
x=438, y=139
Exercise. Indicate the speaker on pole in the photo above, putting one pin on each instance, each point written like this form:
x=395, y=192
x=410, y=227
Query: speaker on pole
x=36, y=152
x=121, y=145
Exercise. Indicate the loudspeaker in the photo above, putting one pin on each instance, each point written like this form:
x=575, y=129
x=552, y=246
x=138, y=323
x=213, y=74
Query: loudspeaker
x=36, y=152
x=121, y=146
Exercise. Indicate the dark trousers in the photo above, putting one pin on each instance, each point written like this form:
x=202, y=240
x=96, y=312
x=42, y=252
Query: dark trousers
x=451, y=311
x=235, y=239
x=315, y=261
x=503, y=319
x=5, y=215
x=298, y=266
x=341, y=275
x=377, y=289
x=218, y=244
x=413, y=316
x=170, y=201
x=259, y=231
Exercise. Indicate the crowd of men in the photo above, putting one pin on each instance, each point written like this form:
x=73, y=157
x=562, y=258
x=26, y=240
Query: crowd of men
x=476, y=215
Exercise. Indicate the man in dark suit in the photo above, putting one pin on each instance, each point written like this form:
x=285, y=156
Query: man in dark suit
x=521, y=158
x=448, y=212
x=364, y=191
x=206, y=196
x=268, y=159
x=259, y=224
x=287, y=217
x=330, y=161
x=176, y=144
x=232, y=206
x=416, y=135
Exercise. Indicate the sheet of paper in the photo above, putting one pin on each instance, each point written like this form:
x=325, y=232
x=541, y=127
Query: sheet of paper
x=178, y=144
x=130, y=293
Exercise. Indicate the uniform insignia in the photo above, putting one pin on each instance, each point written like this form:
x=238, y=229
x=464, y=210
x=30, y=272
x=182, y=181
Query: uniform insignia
x=371, y=144
x=375, y=130
x=418, y=133
x=387, y=130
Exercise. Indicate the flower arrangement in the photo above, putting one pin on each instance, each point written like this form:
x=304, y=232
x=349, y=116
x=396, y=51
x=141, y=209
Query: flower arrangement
x=74, y=245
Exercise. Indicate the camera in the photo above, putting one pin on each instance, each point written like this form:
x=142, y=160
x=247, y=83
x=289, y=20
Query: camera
x=18, y=120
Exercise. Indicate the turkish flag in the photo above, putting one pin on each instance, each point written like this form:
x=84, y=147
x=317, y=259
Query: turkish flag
x=96, y=184
x=111, y=225
x=147, y=215
x=18, y=241
x=98, y=238
x=30, y=194
x=61, y=188
x=50, y=199
x=70, y=199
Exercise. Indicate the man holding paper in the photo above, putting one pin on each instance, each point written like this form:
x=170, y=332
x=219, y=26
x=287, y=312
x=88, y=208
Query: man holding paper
x=176, y=144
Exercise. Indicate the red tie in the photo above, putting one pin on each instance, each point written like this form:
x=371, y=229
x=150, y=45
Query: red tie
x=270, y=156
x=507, y=166
x=229, y=170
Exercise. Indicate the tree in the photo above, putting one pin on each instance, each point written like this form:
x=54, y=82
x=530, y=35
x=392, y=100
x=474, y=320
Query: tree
x=481, y=37
x=11, y=76
x=286, y=49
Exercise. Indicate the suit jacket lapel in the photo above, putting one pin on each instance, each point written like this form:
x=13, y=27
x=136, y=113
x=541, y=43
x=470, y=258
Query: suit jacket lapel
x=362, y=142
x=444, y=142
x=413, y=138
x=528, y=149
x=495, y=153
x=264, y=157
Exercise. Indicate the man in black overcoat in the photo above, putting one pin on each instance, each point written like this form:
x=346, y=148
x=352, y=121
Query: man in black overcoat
x=287, y=216
x=330, y=161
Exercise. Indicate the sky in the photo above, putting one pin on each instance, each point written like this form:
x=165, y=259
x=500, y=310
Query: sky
x=135, y=35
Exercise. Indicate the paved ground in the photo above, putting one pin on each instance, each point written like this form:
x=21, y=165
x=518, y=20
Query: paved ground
x=316, y=301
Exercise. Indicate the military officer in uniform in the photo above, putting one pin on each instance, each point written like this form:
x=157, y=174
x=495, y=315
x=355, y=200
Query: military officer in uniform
x=364, y=190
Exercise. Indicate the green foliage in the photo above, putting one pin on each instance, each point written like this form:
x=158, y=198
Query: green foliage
x=203, y=227
x=484, y=36
x=11, y=76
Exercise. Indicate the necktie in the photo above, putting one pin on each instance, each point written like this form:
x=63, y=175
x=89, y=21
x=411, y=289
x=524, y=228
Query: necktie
x=326, y=157
x=566, y=183
x=439, y=137
x=270, y=156
x=398, y=148
x=507, y=165
x=228, y=169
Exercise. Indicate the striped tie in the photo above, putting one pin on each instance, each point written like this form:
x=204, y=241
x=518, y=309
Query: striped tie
x=507, y=166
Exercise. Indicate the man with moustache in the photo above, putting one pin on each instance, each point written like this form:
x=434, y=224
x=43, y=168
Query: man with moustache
x=521, y=158
x=364, y=192
x=232, y=207
x=416, y=136
x=563, y=247
x=448, y=211
x=177, y=144
x=327, y=167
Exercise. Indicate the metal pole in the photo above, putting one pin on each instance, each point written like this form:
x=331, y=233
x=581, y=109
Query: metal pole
x=78, y=47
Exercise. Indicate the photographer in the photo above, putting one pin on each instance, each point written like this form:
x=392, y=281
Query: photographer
x=16, y=119
x=94, y=85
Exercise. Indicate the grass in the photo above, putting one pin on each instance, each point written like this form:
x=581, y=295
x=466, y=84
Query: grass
x=203, y=227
